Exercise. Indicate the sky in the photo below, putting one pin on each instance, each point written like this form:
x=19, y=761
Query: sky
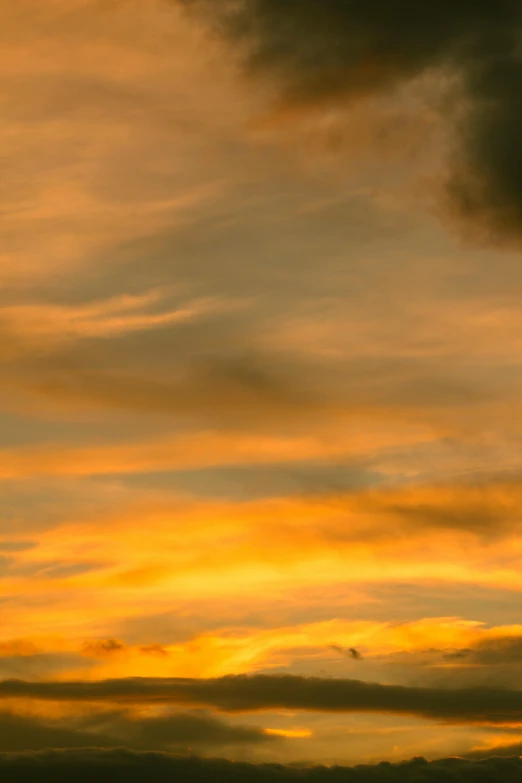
x=261, y=382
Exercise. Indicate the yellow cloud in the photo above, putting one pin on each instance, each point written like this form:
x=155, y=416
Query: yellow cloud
x=238, y=650
x=290, y=733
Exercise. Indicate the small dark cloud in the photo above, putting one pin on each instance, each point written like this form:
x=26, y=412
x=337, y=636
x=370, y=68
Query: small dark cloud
x=99, y=648
x=349, y=652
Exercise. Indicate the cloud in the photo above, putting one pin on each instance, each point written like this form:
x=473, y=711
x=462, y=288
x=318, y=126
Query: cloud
x=344, y=50
x=264, y=692
x=18, y=647
x=499, y=651
x=239, y=383
x=46, y=323
x=350, y=652
x=19, y=733
x=206, y=449
x=100, y=648
x=108, y=765
x=483, y=505
x=177, y=729
x=169, y=731
x=508, y=750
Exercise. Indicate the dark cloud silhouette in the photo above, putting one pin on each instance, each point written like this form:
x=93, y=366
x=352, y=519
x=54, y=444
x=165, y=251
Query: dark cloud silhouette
x=121, y=764
x=172, y=731
x=346, y=49
x=350, y=652
x=185, y=729
x=245, y=693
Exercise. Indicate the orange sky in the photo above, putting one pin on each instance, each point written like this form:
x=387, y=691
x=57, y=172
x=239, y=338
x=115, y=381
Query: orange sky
x=259, y=404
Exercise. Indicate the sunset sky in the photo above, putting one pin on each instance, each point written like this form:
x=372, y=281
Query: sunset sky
x=261, y=378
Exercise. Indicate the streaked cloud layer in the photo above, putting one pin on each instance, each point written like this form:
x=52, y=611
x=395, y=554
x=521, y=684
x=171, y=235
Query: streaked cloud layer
x=260, y=343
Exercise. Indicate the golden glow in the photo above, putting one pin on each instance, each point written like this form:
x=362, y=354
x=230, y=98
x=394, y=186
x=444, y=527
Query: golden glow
x=258, y=412
x=290, y=733
x=234, y=650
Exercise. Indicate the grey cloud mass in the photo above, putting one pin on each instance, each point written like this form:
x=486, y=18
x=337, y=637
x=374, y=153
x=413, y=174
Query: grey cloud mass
x=502, y=651
x=243, y=693
x=121, y=764
x=344, y=49
x=170, y=731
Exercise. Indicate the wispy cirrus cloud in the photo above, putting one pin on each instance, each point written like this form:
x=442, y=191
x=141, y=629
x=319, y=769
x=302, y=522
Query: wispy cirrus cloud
x=48, y=323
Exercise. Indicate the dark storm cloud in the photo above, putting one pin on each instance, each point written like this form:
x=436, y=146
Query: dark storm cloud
x=120, y=764
x=347, y=49
x=265, y=692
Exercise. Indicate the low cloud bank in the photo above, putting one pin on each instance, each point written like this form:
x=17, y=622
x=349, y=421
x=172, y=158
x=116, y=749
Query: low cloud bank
x=120, y=764
x=244, y=693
